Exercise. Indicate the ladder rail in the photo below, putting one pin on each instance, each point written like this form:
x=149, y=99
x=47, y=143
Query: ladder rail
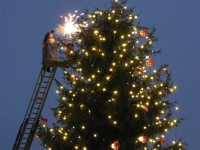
x=24, y=124
x=32, y=97
x=30, y=110
x=30, y=137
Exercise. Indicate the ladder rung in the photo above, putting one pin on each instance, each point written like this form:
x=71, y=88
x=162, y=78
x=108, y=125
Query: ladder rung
x=42, y=92
x=34, y=113
x=39, y=98
x=29, y=123
x=44, y=87
x=45, y=82
x=26, y=133
x=47, y=76
x=36, y=108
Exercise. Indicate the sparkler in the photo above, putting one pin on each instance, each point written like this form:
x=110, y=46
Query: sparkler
x=69, y=27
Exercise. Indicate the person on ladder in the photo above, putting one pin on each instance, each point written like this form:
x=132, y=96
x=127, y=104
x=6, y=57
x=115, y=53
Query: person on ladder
x=49, y=50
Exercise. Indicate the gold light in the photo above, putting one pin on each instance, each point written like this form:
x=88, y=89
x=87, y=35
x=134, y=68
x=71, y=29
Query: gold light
x=115, y=92
x=108, y=78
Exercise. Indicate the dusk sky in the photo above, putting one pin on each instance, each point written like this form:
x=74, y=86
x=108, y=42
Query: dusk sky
x=23, y=25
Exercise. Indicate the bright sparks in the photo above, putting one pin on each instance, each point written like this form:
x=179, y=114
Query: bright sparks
x=70, y=25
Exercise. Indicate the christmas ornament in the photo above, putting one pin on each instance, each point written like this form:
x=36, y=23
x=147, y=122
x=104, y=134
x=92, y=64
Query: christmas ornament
x=73, y=77
x=143, y=32
x=43, y=120
x=165, y=91
x=115, y=145
x=143, y=138
x=85, y=32
x=69, y=46
x=146, y=108
x=38, y=136
x=149, y=62
x=165, y=71
x=137, y=71
x=119, y=15
x=162, y=140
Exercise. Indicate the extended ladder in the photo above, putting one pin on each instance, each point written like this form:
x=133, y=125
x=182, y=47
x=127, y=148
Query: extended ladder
x=28, y=127
x=31, y=120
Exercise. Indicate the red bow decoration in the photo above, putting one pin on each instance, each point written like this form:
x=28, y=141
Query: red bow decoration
x=85, y=32
x=137, y=71
x=143, y=32
x=143, y=138
x=165, y=72
x=44, y=121
x=115, y=145
x=73, y=77
x=38, y=137
x=69, y=46
x=149, y=62
x=162, y=140
x=165, y=91
x=146, y=108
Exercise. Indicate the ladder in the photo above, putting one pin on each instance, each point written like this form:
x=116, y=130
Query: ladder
x=29, y=125
x=32, y=117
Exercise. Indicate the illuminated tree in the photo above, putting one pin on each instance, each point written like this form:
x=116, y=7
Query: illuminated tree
x=114, y=98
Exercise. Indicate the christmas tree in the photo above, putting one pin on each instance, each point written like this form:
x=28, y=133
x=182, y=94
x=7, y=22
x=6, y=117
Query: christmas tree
x=113, y=97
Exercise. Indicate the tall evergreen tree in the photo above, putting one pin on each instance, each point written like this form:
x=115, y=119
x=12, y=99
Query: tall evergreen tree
x=113, y=98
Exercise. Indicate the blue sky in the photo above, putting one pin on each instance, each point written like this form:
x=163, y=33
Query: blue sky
x=23, y=25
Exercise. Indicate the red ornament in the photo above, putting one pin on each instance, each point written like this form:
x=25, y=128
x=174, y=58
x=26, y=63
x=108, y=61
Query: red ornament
x=137, y=71
x=146, y=108
x=143, y=32
x=115, y=145
x=38, y=136
x=149, y=62
x=165, y=72
x=74, y=77
x=85, y=32
x=69, y=46
x=143, y=138
x=165, y=91
x=44, y=121
x=162, y=140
